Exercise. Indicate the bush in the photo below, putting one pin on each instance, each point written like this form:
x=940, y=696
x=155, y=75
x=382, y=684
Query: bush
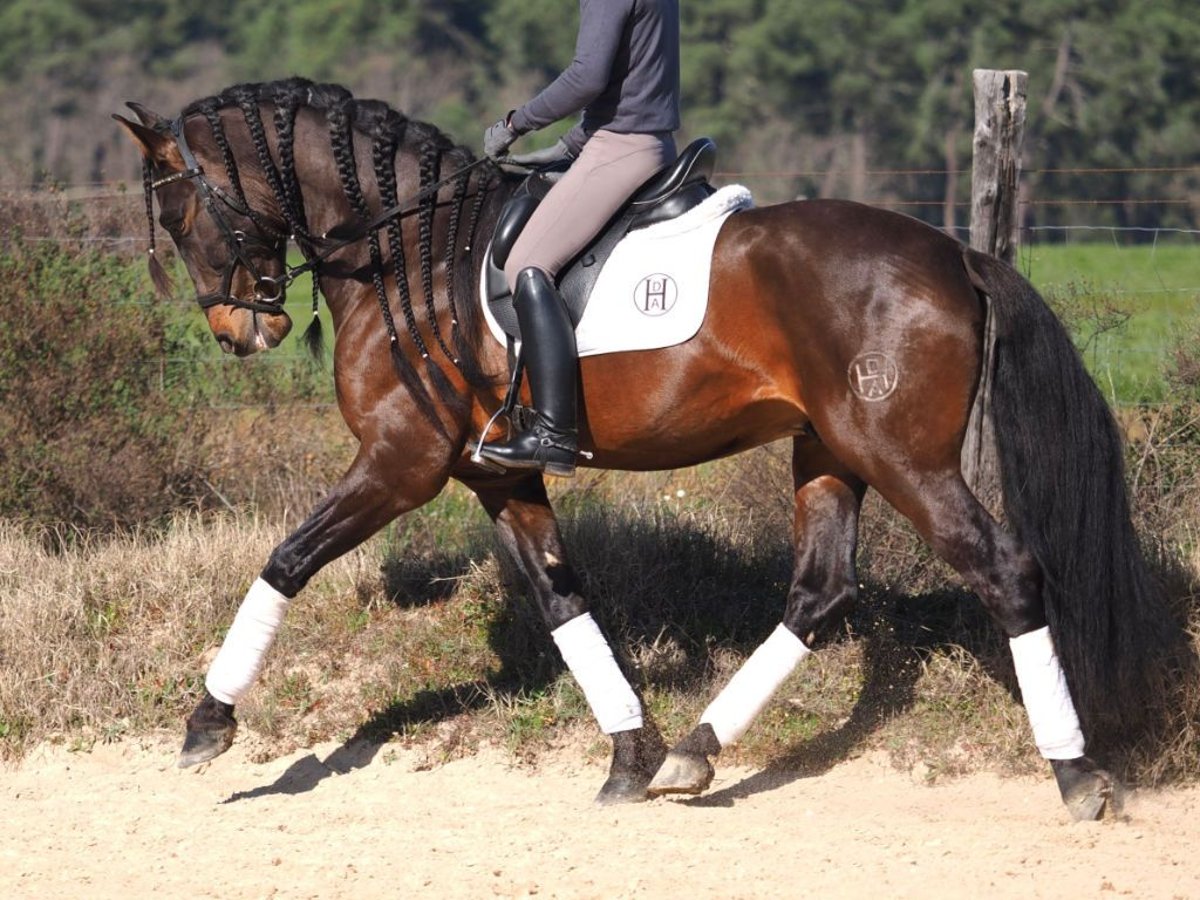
x=91, y=434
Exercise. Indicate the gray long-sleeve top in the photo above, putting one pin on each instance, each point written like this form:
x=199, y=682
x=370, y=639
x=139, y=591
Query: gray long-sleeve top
x=625, y=76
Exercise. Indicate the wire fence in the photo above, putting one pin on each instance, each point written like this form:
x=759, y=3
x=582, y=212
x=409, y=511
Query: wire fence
x=1152, y=270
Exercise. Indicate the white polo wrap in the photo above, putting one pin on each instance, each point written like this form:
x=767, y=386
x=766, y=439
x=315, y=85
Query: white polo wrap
x=241, y=656
x=1046, y=695
x=753, y=685
x=590, y=659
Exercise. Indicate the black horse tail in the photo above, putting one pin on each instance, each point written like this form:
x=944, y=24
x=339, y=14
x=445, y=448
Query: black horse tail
x=1062, y=475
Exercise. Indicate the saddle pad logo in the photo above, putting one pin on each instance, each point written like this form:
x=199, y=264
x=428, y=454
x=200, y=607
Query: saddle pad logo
x=873, y=376
x=655, y=294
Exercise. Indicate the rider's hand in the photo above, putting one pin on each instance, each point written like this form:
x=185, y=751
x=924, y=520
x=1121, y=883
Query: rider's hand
x=498, y=138
x=547, y=157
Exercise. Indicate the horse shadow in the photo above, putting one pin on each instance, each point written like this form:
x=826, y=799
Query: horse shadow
x=418, y=581
x=360, y=749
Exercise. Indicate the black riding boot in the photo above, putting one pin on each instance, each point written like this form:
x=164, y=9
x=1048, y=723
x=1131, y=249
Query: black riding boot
x=548, y=348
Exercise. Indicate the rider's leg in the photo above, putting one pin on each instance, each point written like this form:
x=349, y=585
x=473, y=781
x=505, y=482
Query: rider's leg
x=610, y=167
x=551, y=442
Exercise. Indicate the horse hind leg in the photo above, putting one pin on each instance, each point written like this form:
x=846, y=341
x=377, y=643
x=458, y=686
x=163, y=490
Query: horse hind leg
x=1008, y=581
x=823, y=589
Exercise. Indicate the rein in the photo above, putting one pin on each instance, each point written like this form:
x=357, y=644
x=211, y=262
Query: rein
x=339, y=237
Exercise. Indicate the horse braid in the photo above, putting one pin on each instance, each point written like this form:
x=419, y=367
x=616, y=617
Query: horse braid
x=464, y=359
x=456, y=206
x=430, y=169
x=211, y=112
x=286, y=104
x=469, y=365
x=341, y=137
x=247, y=101
x=157, y=273
x=383, y=154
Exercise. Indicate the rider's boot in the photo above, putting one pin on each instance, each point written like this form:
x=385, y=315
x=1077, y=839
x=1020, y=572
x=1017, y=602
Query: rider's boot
x=548, y=349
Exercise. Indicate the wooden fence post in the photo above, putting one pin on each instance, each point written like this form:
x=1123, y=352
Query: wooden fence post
x=995, y=173
x=999, y=136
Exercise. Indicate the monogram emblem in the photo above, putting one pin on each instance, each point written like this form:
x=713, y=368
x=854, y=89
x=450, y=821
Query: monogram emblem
x=655, y=294
x=873, y=376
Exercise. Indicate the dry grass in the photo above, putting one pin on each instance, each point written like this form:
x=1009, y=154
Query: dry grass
x=425, y=635
x=103, y=636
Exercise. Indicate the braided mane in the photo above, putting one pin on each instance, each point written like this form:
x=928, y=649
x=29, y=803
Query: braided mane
x=389, y=133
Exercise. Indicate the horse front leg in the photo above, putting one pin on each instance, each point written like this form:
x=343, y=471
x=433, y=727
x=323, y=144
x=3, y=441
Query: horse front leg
x=529, y=532
x=359, y=505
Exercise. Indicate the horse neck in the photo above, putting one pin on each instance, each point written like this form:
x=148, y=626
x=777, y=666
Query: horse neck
x=432, y=310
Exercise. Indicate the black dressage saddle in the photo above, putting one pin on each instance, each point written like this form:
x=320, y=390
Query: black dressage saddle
x=667, y=194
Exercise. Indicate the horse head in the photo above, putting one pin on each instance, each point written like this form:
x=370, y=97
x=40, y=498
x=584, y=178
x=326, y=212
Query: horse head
x=222, y=221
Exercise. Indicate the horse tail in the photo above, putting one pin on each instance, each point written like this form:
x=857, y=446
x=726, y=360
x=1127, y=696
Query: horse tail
x=1062, y=476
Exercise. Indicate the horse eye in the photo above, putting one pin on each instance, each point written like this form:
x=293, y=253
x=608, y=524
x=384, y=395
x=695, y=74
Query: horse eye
x=173, y=224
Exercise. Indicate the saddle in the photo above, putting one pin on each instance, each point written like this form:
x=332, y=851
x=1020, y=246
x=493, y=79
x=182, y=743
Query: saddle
x=670, y=193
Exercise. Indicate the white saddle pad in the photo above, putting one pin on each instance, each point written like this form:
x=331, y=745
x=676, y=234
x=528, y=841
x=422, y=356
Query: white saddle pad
x=653, y=290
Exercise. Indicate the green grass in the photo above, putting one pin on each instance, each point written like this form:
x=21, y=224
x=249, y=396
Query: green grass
x=1095, y=285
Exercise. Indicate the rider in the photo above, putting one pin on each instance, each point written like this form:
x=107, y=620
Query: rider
x=625, y=80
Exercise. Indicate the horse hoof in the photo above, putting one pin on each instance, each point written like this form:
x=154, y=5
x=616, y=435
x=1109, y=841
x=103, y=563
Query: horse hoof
x=1088, y=807
x=1087, y=801
x=623, y=787
x=1086, y=789
x=201, y=746
x=682, y=773
x=210, y=731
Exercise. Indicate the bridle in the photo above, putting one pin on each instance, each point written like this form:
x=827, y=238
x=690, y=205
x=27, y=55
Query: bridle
x=270, y=290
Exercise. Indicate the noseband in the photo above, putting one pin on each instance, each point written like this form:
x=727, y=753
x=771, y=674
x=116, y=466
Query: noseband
x=268, y=290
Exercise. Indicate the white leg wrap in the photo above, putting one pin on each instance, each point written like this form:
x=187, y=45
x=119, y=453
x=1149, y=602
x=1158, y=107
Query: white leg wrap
x=753, y=685
x=1047, y=699
x=241, y=656
x=590, y=659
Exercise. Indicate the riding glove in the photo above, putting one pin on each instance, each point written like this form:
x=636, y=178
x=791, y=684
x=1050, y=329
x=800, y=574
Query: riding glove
x=498, y=138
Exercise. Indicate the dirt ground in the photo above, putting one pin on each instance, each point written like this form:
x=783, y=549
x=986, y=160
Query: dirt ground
x=368, y=821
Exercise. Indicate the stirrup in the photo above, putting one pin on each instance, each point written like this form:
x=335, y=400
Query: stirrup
x=477, y=456
x=537, y=450
x=496, y=467
x=542, y=447
x=506, y=409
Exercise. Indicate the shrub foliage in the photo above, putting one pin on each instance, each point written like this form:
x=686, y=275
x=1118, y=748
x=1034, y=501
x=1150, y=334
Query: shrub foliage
x=91, y=434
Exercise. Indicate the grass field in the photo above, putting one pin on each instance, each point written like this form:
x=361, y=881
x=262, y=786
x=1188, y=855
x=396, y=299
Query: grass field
x=427, y=635
x=1096, y=285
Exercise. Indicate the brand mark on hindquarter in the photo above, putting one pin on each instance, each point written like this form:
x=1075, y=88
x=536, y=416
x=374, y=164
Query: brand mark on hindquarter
x=873, y=376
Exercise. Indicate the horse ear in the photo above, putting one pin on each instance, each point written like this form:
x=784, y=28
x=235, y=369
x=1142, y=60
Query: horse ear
x=147, y=117
x=158, y=149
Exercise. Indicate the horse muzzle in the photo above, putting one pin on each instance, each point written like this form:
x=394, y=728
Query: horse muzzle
x=244, y=332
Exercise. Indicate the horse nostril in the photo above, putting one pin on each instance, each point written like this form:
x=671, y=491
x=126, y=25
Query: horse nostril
x=226, y=342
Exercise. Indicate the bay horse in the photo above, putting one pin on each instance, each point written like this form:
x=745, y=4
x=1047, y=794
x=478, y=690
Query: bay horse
x=857, y=332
